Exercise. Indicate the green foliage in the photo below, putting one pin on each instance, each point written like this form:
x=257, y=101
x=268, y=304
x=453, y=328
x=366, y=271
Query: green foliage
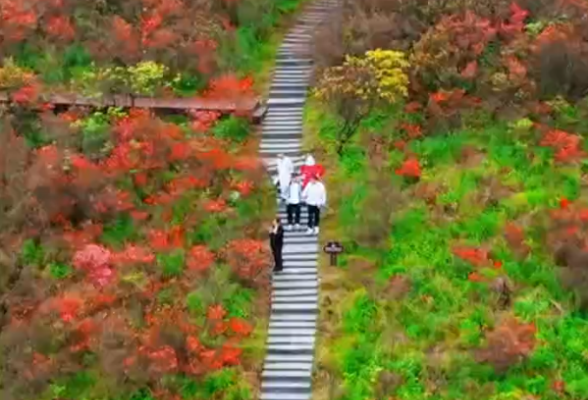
x=120, y=231
x=218, y=288
x=172, y=264
x=95, y=130
x=232, y=128
x=186, y=84
x=32, y=253
x=59, y=271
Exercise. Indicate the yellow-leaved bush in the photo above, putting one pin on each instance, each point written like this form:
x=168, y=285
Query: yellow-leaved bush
x=378, y=76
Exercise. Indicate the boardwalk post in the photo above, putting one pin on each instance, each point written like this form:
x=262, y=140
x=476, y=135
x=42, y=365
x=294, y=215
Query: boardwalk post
x=333, y=249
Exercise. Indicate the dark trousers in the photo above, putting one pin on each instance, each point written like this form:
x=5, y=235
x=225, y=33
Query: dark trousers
x=277, y=252
x=293, y=213
x=314, y=216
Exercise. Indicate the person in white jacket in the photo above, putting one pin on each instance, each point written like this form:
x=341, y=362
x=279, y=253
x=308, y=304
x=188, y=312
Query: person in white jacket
x=315, y=196
x=293, y=203
x=285, y=169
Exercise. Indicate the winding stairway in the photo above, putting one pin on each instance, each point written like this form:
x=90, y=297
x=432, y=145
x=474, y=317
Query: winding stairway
x=287, y=371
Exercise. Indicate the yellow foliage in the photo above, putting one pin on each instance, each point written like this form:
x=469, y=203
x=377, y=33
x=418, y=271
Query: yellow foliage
x=377, y=76
x=13, y=76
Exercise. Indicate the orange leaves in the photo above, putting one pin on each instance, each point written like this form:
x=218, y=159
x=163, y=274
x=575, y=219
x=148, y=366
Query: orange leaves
x=216, y=312
x=230, y=88
x=215, y=206
x=475, y=256
x=171, y=239
x=244, y=187
x=27, y=94
x=68, y=307
x=61, y=28
x=164, y=360
x=134, y=254
x=200, y=258
x=240, y=327
x=410, y=168
x=248, y=258
x=412, y=130
x=567, y=146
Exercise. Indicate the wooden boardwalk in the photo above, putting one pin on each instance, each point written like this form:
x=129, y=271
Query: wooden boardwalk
x=249, y=105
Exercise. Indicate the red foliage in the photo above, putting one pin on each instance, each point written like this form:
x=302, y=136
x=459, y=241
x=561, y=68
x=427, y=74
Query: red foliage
x=68, y=307
x=475, y=277
x=410, y=168
x=475, y=256
x=567, y=146
x=168, y=240
x=240, y=327
x=516, y=23
x=230, y=88
x=133, y=254
x=163, y=360
x=244, y=187
x=27, y=94
x=516, y=69
x=248, y=258
x=200, y=258
x=412, y=130
x=412, y=107
x=218, y=205
x=60, y=28
x=510, y=342
x=216, y=313
x=204, y=120
x=470, y=70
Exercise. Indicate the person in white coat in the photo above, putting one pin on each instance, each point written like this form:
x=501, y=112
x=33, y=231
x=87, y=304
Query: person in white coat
x=293, y=203
x=285, y=169
x=315, y=196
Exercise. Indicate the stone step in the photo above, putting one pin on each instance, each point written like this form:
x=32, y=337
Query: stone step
x=285, y=396
x=285, y=374
x=285, y=384
x=299, y=348
x=288, y=271
x=295, y=292
x=289, y=366
x=290, y=308
x=292, y=317
x=295, y=277
x=295, y=285
x=292, y=325
x=291, y=331
x=294, y=299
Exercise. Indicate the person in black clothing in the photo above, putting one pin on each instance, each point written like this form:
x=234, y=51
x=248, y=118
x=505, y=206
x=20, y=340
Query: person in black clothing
x=276, y=243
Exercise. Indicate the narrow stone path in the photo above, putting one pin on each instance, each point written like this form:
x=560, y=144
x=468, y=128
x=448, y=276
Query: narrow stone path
x=287, y=371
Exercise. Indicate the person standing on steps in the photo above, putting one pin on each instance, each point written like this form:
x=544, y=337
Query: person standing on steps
x=310, y=169
x=277, y=243
x=285, y=170
x=293, y=203
x=315, y=196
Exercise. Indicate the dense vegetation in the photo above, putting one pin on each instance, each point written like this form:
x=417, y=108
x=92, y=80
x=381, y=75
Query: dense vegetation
x=133, y=263
x=458, y=170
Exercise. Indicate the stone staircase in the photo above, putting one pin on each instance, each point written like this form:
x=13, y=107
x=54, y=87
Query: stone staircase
x=287, y=371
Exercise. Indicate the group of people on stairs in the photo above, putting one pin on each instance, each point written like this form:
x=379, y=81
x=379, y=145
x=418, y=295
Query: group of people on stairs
x=295, y=189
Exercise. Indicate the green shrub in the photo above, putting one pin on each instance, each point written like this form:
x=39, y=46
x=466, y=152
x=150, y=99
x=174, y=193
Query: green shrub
x=120, y=231
x=59, y=271
x=232, y=128
x=172, y=264
x=32, y=253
